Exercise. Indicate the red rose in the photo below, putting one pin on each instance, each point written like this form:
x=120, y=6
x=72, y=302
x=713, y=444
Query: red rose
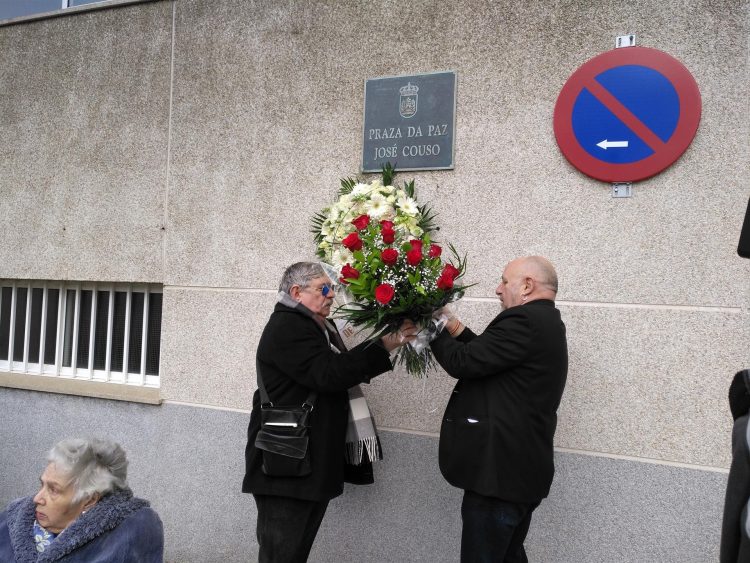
x=387, y=232
x=435, y=251
x=449, y=270
x=389, y=256
x=384, y=293
x=349, y=272
x=416, y=244
x=414, y=256
x=445, y=282
x=352, y=242
x=361, y=222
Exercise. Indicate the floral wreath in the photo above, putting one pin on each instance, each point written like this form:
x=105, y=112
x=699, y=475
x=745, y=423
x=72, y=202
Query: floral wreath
x=380, y=242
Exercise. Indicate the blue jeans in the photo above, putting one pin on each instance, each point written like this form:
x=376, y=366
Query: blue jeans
x=287, y=528
x=494, y=530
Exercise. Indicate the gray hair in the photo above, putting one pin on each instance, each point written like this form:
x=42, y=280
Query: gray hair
x=301, y=274
x=94, y=465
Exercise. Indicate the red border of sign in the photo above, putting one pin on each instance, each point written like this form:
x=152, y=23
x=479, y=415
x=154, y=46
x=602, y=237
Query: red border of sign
x=687, y=125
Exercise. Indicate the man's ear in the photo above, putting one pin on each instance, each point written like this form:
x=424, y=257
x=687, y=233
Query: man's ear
x=294, y=292
x=529, y=284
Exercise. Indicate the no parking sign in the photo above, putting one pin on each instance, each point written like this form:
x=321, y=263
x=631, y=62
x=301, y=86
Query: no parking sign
x=627, y=114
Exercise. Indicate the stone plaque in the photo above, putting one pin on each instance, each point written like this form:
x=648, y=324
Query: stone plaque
x=409, y=122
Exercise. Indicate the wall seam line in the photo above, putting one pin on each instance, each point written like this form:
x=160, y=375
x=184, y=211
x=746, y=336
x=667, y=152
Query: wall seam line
x=165, y=231
x=706, y=468
x=592, y=304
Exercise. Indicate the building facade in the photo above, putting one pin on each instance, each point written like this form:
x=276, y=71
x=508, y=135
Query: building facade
x=159, y=166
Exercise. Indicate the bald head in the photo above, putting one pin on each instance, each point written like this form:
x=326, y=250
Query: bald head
x=527, y=279
x=541, y=270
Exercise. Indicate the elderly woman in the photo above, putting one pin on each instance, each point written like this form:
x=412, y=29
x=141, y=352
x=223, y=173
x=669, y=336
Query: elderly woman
x=84, y=511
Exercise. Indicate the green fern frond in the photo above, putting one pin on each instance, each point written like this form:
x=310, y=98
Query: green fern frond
x=388, y=173
x=427, y=221
x=347, y=185
x=409, y=188
x=317, y=222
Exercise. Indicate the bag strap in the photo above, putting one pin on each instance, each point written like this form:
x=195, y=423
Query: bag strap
x=265, y=400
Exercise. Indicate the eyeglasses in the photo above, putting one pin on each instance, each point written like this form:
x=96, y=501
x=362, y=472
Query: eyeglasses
x=325, y=289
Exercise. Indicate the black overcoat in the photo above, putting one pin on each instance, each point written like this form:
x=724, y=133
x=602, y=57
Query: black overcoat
x=498, y=428
x=735, y=529
x=295, y=357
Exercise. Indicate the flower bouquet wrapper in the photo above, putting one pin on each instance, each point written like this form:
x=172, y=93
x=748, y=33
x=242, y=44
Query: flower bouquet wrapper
x=428, y=334
x=417, y=356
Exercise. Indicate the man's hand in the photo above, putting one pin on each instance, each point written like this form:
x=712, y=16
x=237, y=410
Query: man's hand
x=406, y=333
x=447, y=316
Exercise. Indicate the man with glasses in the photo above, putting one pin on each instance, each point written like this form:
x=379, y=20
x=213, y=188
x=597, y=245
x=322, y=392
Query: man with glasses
x=301, y=351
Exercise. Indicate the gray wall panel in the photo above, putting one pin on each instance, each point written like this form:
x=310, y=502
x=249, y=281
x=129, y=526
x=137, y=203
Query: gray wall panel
x=189, y=463
x=83, y=157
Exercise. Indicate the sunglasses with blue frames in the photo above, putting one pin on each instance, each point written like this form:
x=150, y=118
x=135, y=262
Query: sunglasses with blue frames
x=325, y=289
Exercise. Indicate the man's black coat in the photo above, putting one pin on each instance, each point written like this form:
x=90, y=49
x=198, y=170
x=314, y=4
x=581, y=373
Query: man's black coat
x=295, y=357
x=497, y=431
x=735, y=536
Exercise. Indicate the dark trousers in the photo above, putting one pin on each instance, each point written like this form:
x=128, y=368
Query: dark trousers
x=287, y=527
x=494, y=530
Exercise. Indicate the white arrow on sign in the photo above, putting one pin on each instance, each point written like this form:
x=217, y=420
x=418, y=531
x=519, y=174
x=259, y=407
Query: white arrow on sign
x=605, y=144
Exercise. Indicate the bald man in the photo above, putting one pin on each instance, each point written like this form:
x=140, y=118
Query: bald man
x=497, y=432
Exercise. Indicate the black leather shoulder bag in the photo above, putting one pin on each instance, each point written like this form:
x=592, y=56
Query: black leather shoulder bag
x=284, y=435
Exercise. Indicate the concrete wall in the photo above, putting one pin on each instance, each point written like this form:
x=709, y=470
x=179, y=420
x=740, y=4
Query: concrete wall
x=189, y=142
x=188, y=462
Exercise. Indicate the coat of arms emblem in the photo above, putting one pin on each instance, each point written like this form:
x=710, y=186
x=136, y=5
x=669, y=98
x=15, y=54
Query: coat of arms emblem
x=407, y=106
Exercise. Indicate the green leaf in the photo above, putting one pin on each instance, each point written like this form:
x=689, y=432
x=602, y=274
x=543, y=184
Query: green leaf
x=388, y=173
x=409, y=188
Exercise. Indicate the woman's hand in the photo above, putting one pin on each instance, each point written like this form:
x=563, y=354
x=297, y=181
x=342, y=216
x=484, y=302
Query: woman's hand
x=406, y=333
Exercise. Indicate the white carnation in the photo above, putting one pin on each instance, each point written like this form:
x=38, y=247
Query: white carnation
x=334, y=213
x=359, y=189
x=341, y=257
